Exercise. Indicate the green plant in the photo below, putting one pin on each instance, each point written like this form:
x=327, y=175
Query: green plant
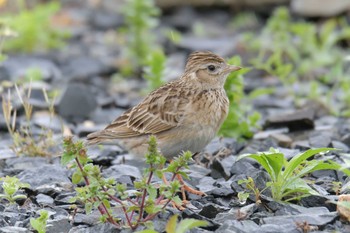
x=251, y=187
x=154, y=69
x=238, y=123
x=39, y=224
x=139, y=208
x=140, y=19
x=10, y=186
x=286, y=176
x=24, y=140
x=34, y=29
x=173, y=226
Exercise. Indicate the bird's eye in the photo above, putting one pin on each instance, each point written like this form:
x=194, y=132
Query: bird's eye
x=211, y=68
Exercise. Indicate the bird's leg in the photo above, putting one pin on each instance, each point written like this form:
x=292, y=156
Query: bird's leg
x=187, y=188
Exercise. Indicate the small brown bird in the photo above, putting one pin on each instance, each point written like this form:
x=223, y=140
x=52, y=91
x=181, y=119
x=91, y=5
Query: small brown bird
x=183, y=115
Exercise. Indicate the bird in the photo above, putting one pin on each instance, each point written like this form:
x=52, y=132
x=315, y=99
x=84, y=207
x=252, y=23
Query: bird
x=183, y=115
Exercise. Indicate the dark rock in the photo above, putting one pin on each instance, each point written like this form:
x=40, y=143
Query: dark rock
x=44, y=199
x=298, y=120
x=106, y=155
x=102, y=19
x=46, y=175
x=320, y=139
x=211, y=210
x=17, y=67
x=317, y=201
x=76, y=101
x=219, y=170
x=116, y=171
x=84, y=67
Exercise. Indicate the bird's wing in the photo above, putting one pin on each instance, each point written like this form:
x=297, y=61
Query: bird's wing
x=161, y=110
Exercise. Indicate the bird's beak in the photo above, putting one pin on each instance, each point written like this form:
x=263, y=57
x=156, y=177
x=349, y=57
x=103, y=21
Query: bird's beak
x=231, y=68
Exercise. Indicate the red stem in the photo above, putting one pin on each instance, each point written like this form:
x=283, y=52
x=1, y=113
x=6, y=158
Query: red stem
x=102, y=208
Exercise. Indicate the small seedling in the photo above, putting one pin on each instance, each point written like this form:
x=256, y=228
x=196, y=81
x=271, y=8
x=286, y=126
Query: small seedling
x=39, y=224
x=173, y=226
x=286, y=176
x=11, y=186
x=251, y=187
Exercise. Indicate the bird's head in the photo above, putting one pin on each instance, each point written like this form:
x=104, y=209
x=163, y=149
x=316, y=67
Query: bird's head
x=210, y=69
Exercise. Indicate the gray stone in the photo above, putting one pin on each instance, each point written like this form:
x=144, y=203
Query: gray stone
x=297, y=120
x=340, y=145
x=90, y=219
x=320, y=139
x=116, y=171
x=235, y=226
x=312, y=219
x=242, y=167
x=319, y=8
x=86, y=67
x=220, y=45
x=46, y=175
x=46, y=120
x=12, y=229
x=77, y=101
x=61, y=225
x=17, y=67
x=19, y=164
x=103, y=19
x=44, y=199
x=283, y=140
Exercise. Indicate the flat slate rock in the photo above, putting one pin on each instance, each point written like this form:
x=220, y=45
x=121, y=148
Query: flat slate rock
x=298, y=120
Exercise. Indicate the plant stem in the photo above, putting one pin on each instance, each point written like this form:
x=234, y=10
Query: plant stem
x=102, y=208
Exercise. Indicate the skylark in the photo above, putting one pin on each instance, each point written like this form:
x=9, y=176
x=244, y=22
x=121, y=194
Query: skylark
x=184, y=114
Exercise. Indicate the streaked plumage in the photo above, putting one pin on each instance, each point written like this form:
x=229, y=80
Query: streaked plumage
x=183, y=115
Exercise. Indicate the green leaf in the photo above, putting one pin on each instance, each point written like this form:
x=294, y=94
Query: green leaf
x=188, y=224
x=147, y=231
x=88, y=207
x=39, y=224
x=298, y=159
x=76, y=177
x=171, y=224
x=152, y=192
